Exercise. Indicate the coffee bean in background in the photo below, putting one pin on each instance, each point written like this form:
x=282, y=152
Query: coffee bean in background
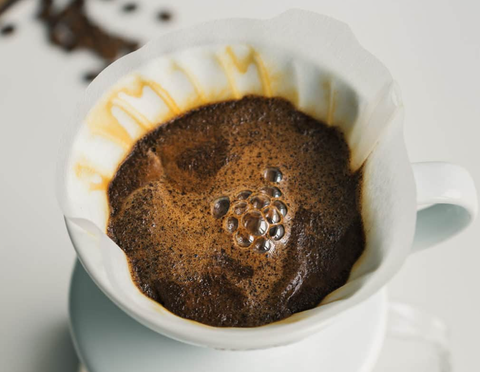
x=7, y=30
x=130, y=7
x=164, y=16
x=90, y=75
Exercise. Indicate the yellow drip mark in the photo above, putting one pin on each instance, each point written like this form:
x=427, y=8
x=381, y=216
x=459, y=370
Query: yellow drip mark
x=252, y=58
x=331, y=98
x=229, y=75
x=83, y=170
x=266, y=83
x=136, y=90
x=193, y=80
x=138, y=117
x=102, y=123
x=164, y=95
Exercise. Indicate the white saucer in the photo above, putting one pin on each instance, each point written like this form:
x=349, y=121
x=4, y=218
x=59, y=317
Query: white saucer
x=108, y=340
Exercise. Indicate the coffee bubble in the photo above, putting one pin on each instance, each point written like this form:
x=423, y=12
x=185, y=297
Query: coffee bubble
x=277, y=232
x=273, y=175
x=231, y=224
x=272, y=215
x=240, y=207
x=263, y=245
x=281, y=207
x=220, y=207
x=243, y=238
x=255, y=223
x=259, y=201
x=243, y=195
x=271, y=191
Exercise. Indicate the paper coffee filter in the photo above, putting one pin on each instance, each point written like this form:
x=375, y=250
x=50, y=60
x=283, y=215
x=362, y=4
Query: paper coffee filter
x=313, y=61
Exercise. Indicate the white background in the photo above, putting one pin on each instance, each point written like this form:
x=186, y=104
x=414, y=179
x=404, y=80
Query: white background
x=432, y=48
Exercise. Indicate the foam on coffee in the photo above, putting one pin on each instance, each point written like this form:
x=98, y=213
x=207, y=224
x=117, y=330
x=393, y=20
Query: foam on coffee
x=238, y=213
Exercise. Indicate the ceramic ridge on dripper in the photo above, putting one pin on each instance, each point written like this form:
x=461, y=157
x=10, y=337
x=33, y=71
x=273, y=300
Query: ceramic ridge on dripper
x=338, y=83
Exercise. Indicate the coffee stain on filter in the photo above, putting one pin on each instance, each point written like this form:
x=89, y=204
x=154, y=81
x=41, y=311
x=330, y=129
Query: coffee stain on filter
x=102, y=122
x=230, y=63
x=96, y=179
x=201, y=96
x=331, y=97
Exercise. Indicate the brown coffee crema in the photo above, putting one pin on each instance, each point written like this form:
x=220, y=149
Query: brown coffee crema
x=239, y=213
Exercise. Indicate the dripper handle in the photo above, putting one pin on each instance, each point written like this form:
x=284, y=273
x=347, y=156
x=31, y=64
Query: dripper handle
x=446, y=202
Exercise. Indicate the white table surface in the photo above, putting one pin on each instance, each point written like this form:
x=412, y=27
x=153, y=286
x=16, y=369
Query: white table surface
x=432, y=48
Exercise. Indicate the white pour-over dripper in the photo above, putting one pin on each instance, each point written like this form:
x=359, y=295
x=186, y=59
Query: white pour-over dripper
x=335, y=68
